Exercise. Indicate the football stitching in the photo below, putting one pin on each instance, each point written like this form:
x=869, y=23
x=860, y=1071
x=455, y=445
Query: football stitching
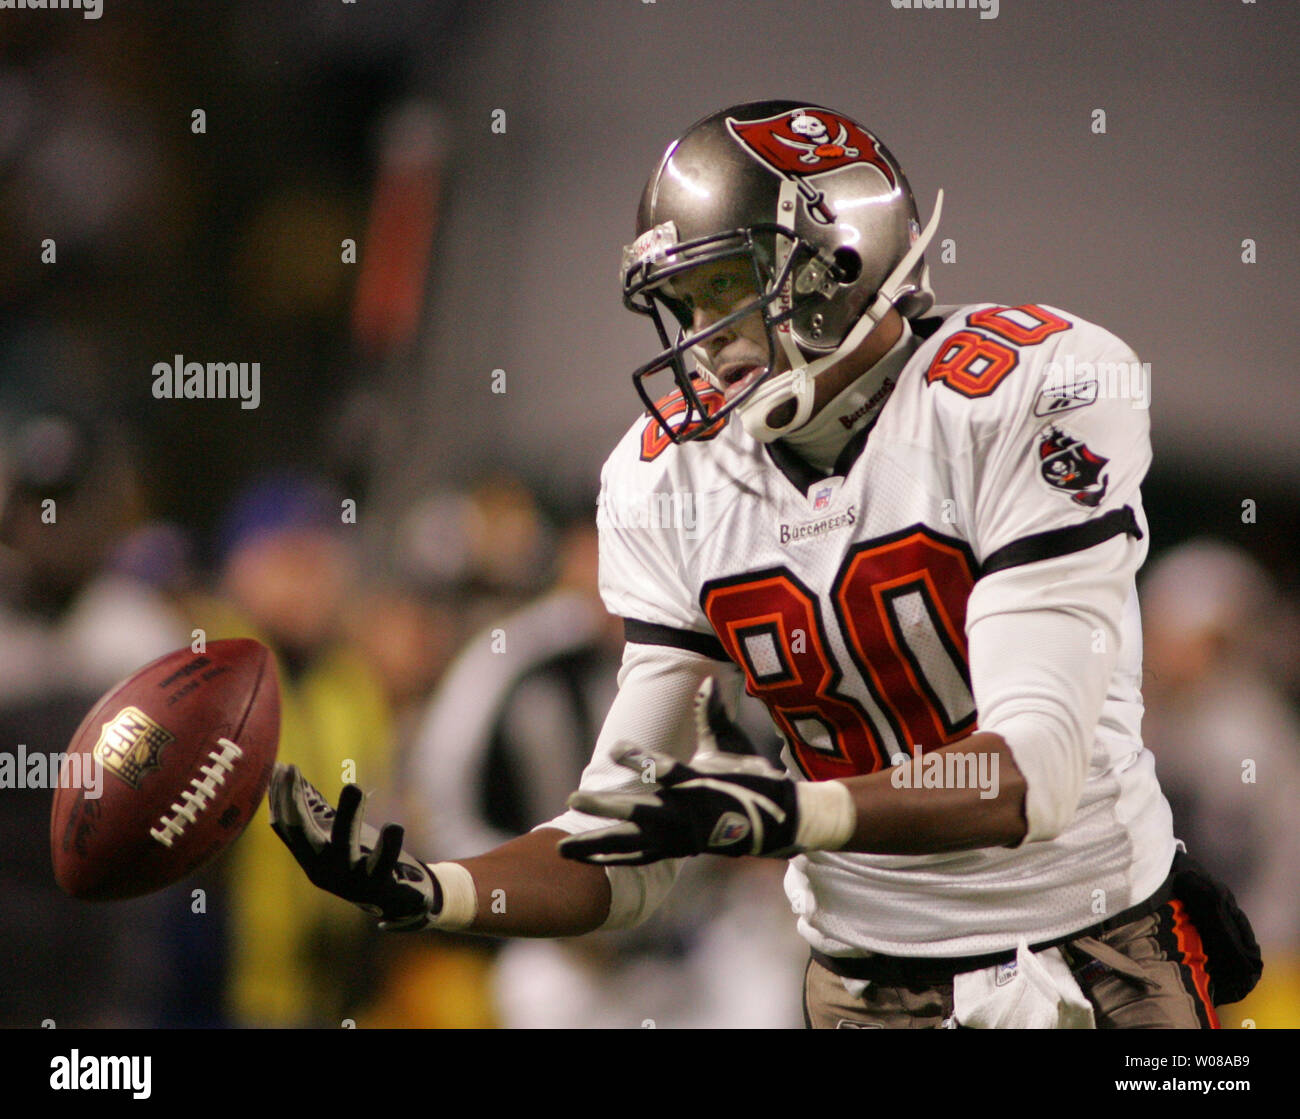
x=171, y=828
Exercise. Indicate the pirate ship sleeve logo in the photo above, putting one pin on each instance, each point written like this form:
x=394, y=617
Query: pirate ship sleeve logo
x=802, y=144
x=1068, y=465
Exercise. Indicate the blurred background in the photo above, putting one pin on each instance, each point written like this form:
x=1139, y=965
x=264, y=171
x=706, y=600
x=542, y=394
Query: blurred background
x=410, y=216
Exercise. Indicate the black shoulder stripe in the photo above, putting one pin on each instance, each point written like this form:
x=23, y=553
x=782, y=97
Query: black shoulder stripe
x=647, y=633
x=1062, y=541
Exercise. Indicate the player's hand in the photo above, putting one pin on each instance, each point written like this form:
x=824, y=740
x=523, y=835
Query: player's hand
x=719, y=804
x=349, y=858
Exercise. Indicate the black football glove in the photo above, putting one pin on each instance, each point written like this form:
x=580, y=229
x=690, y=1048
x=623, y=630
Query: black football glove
x=349, y=858
x=719, y=804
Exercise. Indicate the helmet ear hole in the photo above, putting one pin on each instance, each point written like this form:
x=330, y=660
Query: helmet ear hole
x=849, y=263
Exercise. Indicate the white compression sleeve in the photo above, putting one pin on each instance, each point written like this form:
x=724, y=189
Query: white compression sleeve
x=653, y=710
x=1044, y=641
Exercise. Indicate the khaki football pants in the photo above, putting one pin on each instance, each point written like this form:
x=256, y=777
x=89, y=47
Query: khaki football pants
x=1146, y=975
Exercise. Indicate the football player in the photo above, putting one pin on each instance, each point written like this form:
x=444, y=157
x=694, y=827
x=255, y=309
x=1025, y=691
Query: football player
x=912, y=532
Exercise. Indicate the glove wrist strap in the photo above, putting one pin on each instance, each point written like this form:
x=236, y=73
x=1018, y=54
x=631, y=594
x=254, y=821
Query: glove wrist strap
x=827, y=815
x=459, y=897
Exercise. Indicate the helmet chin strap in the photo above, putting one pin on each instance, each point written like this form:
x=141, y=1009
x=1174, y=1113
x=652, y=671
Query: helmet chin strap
x=798, y=384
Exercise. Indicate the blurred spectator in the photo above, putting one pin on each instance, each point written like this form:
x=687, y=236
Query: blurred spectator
x=1227, y=744
x=408, y=638
x=721, y=953
x=490, y=542
x=73, y=614
x=515, y=717
x=74, y=619
x=299, y=957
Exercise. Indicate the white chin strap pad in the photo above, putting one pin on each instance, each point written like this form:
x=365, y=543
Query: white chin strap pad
x=794, y=385
x=799, y=383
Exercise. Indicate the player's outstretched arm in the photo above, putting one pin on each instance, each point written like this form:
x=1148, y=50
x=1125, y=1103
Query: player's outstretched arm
x=523, y=888
x=526, y=888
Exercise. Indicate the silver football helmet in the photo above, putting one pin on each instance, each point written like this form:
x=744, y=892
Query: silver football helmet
x=825, y=217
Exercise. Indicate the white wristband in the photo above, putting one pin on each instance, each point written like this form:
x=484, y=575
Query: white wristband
x=827, y=815
x=459, y=897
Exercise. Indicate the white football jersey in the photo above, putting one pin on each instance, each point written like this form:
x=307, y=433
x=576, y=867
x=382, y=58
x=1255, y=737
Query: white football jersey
x=1001, y=471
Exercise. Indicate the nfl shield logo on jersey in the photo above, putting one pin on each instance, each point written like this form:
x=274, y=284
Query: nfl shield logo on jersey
x=822, y=498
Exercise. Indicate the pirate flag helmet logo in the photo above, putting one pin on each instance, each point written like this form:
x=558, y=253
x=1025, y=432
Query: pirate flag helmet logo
x=1067, y=464
x=810, y=141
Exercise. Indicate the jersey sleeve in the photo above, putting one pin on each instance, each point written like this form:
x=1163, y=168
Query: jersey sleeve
x=1045, y=470
x=646, y=518
x=1046, y=640
x=654, y=710
x=1051, y=458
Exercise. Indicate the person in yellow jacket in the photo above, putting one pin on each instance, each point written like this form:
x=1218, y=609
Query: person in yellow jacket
x=297, y=958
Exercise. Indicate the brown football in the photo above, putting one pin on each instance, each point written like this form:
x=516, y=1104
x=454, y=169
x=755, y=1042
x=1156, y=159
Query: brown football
x=181, y=754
